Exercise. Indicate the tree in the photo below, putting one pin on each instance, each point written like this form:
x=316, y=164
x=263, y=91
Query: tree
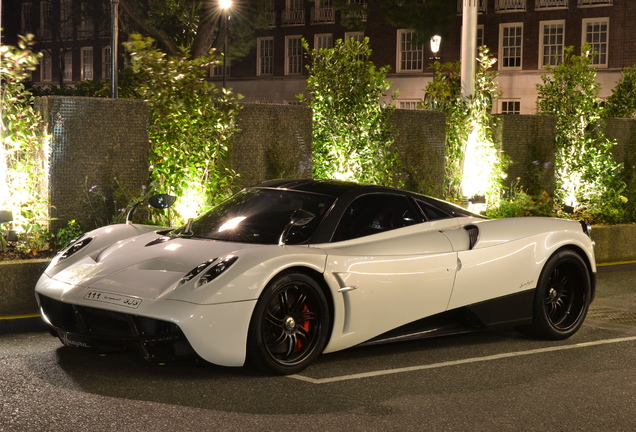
x=191, y=125
x=622, y=102
x=351, y=135
x=194, y=26
x=428, y=17
x=466, y=119
x=587, y=176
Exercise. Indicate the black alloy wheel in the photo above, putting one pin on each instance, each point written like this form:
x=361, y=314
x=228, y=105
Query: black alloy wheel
x=289, y=327
x=562, y=298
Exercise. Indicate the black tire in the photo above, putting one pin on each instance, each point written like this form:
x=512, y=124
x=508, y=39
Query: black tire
x=562, y=297
x=290, y=325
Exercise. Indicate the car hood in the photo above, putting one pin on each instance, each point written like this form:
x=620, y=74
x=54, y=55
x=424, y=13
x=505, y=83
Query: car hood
x=147, y=265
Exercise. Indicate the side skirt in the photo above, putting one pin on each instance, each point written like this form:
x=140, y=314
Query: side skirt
x=509, y=311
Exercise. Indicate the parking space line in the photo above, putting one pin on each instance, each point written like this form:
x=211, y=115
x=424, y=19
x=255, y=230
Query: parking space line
x=457, y=362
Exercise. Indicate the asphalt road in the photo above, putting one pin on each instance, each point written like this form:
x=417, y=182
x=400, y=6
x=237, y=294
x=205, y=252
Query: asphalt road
x=497, y=381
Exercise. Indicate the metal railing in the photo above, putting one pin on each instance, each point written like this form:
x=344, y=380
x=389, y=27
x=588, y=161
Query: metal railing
x=596, y=3
x=323, y=14
x=550, y=4
x=482, y=6
x=292, y=17
x=510, y=5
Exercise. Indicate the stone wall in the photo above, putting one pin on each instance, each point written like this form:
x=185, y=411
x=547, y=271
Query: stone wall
x=274, y=142
x=528, y=143
x=95, y=143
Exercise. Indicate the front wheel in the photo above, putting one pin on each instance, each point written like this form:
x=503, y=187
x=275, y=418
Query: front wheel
x=289, y=327
x=562, y=297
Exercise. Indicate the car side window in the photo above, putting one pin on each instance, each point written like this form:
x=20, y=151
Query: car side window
x=431, y=212
x=375, y=213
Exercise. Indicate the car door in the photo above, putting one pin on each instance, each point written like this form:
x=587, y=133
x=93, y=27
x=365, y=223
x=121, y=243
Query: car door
x=391, y=268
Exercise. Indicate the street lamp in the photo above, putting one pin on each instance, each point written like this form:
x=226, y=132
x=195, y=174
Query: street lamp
x=436, y=41
x=225, y=5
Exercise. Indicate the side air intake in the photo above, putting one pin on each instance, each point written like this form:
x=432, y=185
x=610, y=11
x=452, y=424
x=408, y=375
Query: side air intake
x=473, y=235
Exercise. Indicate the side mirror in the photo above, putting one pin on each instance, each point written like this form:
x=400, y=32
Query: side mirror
x=159, y=201
x=298, y=218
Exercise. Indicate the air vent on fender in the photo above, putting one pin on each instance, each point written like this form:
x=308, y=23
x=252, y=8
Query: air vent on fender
x=473, y=235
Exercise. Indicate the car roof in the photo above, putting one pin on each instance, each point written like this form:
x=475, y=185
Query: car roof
x=334, y=188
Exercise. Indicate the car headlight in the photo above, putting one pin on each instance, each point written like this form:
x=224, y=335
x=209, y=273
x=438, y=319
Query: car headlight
x=214, y=267
x=74, y=247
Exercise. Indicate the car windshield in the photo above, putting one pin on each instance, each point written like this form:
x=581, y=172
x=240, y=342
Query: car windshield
x=258, y=216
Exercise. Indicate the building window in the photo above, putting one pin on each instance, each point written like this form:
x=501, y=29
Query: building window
x=357, y=10
x=323, y=12
x=480, y=36
x=87, y=63
x=552, y=42
x=293, y=55
x=551, y=4
x=482, y=6
x=324, y=40
x=359, y=36
x=587, y=3
x=107, y=64
x=510, y=107
x=265, y=56
x=511, y=43
x=26, y=17
x=67, y=65
x=596, y=34
x=293, y=14
x=66, y=19
x=86, y=23
x=510, y=5
x=408, y=104
x=270, y=14
x=409, y=53
x=46, y=20
x=46, y=66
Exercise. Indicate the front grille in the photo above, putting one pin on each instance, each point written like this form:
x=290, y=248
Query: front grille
x=157, y=340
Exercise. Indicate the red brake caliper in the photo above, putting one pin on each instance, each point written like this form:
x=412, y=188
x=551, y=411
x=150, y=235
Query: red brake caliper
x=305, y=325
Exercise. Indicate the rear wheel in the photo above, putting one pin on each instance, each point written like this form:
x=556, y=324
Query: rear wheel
x=562, y=297
x=289, y=326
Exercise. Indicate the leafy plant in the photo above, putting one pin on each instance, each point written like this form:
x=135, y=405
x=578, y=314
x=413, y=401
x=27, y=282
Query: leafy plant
x=622, y=102
x=22, y=159
x=352, y=137
x=587, y=177
x=191, y=124
x=467, y=118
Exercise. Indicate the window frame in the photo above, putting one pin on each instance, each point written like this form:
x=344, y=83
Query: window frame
x=85, y=73
x=399, y=60
x=584, y=34
x=261, y=64
x=297, y=56
x=502, y=37
x=542, y=56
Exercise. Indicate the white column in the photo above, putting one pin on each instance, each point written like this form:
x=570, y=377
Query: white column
x=469, y=47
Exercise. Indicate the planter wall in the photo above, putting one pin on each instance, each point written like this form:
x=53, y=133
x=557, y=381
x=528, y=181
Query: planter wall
x=17, y=282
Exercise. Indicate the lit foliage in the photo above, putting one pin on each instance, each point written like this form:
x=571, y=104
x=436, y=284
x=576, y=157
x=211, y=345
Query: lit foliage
x=466, y=119
x=622, y=102
x=191, y=124
x=586, y=175
x=22, y=155
x=352, y=137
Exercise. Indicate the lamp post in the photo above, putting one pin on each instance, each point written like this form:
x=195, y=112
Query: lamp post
x=114, y=41
x=225, y=6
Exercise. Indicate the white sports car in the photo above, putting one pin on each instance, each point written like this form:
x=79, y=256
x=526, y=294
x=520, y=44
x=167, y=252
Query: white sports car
x=289, y=269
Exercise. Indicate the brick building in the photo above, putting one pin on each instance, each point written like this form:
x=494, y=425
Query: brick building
x=523, y=35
